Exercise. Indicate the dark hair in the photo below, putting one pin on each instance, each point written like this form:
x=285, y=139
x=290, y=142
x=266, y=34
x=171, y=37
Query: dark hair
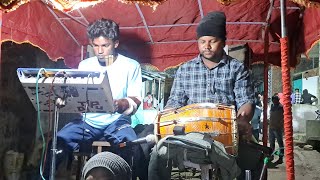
x=275, y=97
x=105, y=28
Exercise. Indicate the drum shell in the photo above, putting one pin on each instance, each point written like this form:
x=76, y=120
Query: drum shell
x=214, y=119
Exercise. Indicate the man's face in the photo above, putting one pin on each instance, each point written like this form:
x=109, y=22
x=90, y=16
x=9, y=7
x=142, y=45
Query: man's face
x=103, y=47
x=210, y=47
x=274, y=101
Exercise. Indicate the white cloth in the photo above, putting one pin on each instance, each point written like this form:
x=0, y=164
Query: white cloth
x=125, y=80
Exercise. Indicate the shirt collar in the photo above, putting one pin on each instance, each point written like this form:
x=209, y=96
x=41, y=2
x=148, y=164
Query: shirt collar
x=222, y=61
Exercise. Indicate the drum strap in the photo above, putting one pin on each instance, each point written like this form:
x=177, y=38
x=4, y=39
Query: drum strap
x=199, y=151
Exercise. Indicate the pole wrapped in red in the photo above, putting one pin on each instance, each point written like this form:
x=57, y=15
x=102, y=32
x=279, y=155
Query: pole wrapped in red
x=286, y=86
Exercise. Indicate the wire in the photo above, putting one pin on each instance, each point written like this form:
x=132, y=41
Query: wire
x=86, y=105
x=50, y=120
x=39, y=121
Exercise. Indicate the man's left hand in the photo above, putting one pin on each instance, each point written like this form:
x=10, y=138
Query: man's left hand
x=120, y=105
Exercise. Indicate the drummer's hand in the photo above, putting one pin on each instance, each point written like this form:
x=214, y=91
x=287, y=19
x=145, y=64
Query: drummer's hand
x=245, y=128
x=120, y=105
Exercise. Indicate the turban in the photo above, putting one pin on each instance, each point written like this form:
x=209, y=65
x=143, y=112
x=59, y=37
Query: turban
x=213, y=24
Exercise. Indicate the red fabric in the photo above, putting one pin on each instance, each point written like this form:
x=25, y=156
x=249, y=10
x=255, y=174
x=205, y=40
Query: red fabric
x=286, y=86
x=33, y=23
x=168, y=46
x=280, y=95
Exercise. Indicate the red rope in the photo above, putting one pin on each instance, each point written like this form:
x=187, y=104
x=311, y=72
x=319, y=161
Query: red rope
x=286, y=86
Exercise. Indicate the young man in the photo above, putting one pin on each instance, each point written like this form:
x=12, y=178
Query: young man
x=297, y=96
x=307, y=98
x=276, y=126
x=125, y=81
x=211, y=77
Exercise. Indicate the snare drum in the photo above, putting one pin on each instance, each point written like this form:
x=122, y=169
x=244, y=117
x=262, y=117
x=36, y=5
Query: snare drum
x=215, y=119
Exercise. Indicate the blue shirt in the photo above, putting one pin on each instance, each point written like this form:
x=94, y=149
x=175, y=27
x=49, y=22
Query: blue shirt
x=125, y=80
x=228, y=83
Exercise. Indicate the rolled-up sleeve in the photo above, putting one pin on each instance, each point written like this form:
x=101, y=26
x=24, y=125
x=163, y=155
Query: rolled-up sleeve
x=177, y=95
x=243, y=88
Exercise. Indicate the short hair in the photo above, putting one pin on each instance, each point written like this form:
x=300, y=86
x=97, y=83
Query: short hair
x=105, y=28
x=275, y=97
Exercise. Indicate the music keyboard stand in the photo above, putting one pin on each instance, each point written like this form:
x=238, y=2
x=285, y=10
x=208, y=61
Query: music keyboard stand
x=73, y=91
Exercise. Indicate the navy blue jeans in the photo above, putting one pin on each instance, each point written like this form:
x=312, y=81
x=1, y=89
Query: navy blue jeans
x=77, y=131
x=276, y=134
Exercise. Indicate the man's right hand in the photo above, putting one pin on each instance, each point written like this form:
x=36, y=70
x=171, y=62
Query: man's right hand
x=244, y=127
x=120, y=105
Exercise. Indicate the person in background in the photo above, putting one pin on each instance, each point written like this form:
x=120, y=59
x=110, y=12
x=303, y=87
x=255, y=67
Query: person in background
x=125, y=81
x=255, y=122
x=307, y=98
x=293, y=98
x=276, y=126
x=297, y=96
x=258, y=99
x=148, y=101
x=261, y=98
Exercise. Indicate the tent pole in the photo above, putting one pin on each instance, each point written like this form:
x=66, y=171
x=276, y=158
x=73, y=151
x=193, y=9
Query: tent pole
x=265, y=104
x=266, y=74
x=265, y=87
x=283, y=18
x=0, y=47
x=286, y=86
x=318, y=71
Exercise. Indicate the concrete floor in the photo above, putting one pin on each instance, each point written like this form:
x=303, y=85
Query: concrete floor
x=307, y=166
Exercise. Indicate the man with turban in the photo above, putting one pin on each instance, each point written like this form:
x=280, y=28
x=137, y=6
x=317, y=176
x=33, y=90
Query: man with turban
x=213, y=77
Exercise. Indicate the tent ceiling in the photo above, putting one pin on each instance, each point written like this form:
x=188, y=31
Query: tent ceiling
x=163, y=37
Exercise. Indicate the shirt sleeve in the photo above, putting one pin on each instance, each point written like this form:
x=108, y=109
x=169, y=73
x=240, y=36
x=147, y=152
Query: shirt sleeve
x=243, y=88
x=81, y=65
x=177, y=95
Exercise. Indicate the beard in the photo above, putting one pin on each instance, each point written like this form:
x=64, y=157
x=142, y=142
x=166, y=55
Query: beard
x=213, y=57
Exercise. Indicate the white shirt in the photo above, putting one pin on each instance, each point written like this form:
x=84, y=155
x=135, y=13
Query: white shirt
x=125, y=80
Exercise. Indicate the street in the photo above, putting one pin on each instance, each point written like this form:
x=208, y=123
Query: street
x=307, y=166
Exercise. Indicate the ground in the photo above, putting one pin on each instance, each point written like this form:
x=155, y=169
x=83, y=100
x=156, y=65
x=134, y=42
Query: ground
x=307, y=166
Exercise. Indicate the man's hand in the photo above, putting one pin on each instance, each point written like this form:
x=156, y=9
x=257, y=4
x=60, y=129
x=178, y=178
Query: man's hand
x=244, y=127
x=120, y=105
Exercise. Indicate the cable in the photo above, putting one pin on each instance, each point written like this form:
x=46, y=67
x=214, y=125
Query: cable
x=49, y=106
x=86, y=105
x=39, y=121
